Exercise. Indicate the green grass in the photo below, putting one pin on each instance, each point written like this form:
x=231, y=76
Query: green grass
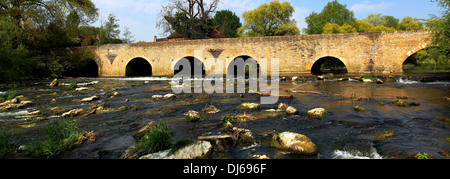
x=61, y=136
x=73, y=85
x=6, y=145
x=156, y=140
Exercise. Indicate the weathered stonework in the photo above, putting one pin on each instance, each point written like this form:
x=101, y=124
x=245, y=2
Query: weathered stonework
x=360, y=52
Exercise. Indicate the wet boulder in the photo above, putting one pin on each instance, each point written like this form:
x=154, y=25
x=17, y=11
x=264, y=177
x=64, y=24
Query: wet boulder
x=113, y=94
x=403, y=103
x=291, y=111
x=194, y=116
x=282, y=107
x=317, y=113
x=169, y=96
x=90, y=99
x=195, y=150
x=250, y=106
x=295, y=143
x=54, y=83
x=235, y=118
x=74, y=112
x=211, y=110
x=359, y=109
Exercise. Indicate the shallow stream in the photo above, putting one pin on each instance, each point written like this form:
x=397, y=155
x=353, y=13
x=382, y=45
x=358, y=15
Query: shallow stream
x=343, y=133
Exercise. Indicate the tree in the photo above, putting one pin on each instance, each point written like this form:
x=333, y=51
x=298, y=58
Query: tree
x=374, y=19
x=364, y=26
x=410, y=23
x=42, y=12
x=333, y=28
x=36, y=35
x=333, y=12
x=127, y=36
x=194, y=16
x=390, y=21
x=440, y=33
x=347, y=28
x=228, y=21
x=110, y=32
x=14, y=57
x=274, y=19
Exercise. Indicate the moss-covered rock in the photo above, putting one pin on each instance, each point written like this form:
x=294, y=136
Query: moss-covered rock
x=250, y=106
x=295, y=143
x=317, y=113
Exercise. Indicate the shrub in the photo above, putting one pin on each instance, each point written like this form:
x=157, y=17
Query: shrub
x=156, y=140
x=6, y=145
x=61, y=136
x=73, y=85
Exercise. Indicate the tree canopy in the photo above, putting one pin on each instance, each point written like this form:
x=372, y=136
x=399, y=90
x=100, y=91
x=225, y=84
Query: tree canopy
x=274, y=19
x=228, y=21
x=191, y=18
x=333, y=12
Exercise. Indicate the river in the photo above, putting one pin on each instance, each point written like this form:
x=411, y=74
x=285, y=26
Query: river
x=343, y=133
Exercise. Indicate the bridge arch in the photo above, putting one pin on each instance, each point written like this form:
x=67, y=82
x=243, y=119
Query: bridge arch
x=249, y=62
x=138, y=67
x=195, y=63
x=329, y=64
x=413, y=60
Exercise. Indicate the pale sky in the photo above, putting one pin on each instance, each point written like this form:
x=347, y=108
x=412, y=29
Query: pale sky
x=141, y=15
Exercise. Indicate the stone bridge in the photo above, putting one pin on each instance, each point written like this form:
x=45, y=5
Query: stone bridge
x=380, y=52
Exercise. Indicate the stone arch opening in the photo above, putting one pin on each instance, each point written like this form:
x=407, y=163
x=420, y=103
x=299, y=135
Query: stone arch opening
x=196, y=66
x=243, y=64
x=329, y=64
x=138, y=67
x=424, y=60
x=84, y=68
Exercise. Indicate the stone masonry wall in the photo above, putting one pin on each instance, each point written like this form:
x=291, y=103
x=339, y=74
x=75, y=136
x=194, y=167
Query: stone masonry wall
x=360, y=52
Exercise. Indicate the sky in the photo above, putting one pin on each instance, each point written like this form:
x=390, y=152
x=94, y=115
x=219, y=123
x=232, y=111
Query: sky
x=141, y=15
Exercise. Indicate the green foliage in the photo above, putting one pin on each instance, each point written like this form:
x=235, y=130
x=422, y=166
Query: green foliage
x=190, y=27
x=14, y=56
x=61, y=136
x=6, y=144
x=421, y=156
x=73, y=85
x=410, y=23
x=440, y=33
x=333, y=28
x=274, y=19
x=156, y=140
x=333, y=12
x=228, y=21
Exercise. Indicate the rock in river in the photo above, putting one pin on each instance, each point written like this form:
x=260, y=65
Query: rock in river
x=250, y=106
x=194, y=116
x=74, y=112
x=317, y=113
x=93, y=98
x=294, y=142
x=196, y=150
x=291, y=111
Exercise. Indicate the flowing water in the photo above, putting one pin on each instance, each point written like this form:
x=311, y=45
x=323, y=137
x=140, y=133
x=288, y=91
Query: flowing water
x=343, y=133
